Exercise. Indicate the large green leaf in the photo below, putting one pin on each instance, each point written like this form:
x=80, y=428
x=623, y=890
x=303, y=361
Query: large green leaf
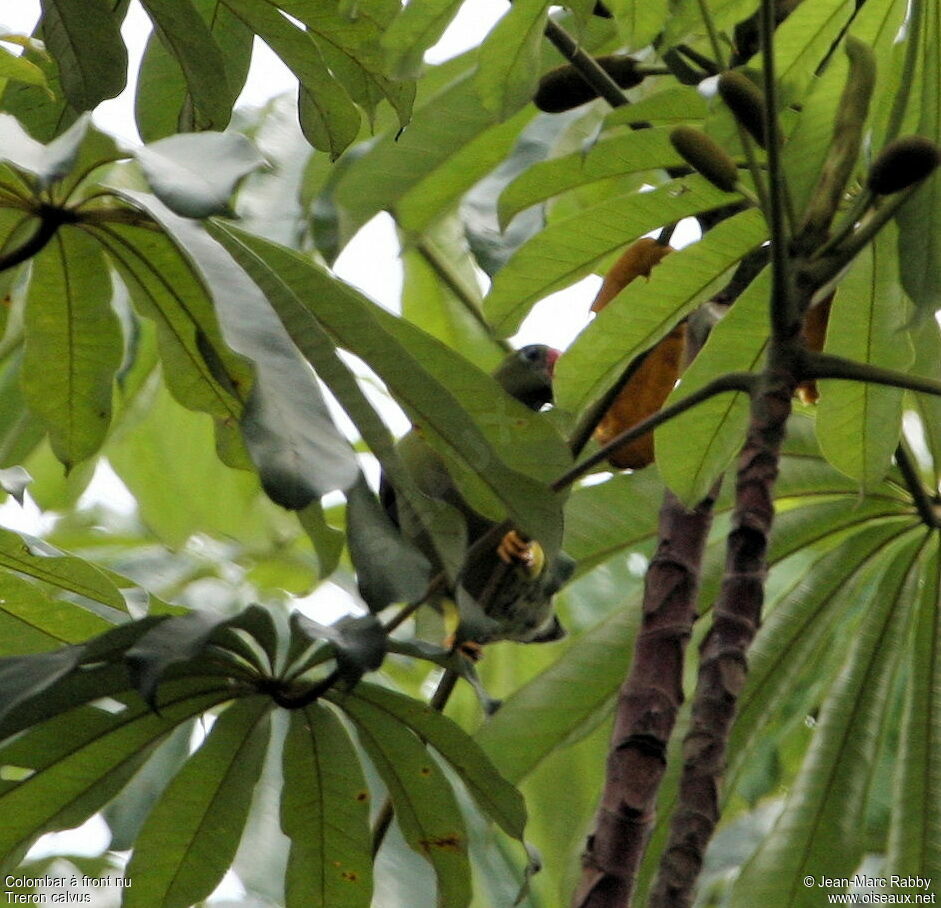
x=510, y=57
x=200, y=370
x=802, y=642
x=329, y=117
x=451, y=141
x=493, y=794
x=803, y=40
x=859, y=424
x=573, y=691
x=81, y=758
x=914, y=846
x=65, y=573
x=186, y=36
x=819, y=832
x=298, y=451
x=195, y=174
x=163, y=103
x=919, y=239
x=69, y=322
x=425, y=807
x=85, y=39
x=190, y=837
x=31, y=620
x=325, y=812
x=350, y=46
x=606, y=518
x=417, y=27
x=609, y=157
x=571, y=248
x=441, y=293
x=645, y=311
x=506, y=447
x=693, y=449
x=20, y=69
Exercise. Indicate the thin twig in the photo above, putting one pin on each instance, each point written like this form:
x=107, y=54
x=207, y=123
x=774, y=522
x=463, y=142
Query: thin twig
x=923, y=503
x=732, y=381
x=784, y=317
x=825, y=365
x=447, y=277
x=587, y=66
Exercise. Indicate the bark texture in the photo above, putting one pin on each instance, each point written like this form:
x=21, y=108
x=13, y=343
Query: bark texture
x=647, y=707
x=723, y=663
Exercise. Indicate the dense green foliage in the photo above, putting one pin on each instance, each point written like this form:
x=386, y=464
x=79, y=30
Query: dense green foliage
x=146, y=328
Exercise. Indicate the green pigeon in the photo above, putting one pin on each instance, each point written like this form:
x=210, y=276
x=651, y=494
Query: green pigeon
x=503, y=588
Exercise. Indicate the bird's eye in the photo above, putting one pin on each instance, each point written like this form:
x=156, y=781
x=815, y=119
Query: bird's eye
x=530, y=354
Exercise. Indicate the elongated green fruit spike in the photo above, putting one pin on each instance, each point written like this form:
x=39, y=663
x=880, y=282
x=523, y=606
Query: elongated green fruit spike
x=903, y=163
x=564, y=88
x=746, y=102
x=706, y=156
x=844, y=147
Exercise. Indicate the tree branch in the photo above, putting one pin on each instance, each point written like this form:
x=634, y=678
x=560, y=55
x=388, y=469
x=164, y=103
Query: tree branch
x=647, y=708
x=731, y=381
x=923, y=503
x=723, y=665
x=35, y=244
x=826, y=365
x=589, y=69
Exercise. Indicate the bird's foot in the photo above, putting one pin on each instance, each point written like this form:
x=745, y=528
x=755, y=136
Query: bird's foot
x=514, y=549
x=467, y=648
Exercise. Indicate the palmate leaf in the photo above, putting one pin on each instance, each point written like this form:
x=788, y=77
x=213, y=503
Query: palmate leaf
x=914, y=846
x=190, y=837
x=325, y=812
x=570, y=248
x=803, y=641
x=425, y=807
x=177, y=640
x=919, y=245
x=819, y=832
x=737, y=343
x=609, y=157
x=298, y=451
x=163, y=103
x=572, y=695
x=452, y=141
x=358, y=643
x=185, y=34
x=510, y=57
x=81, y=758
x=194, y=174
x=859, y=424
x=69, y=321
x=417, y=27
x=463, y=412
x=85, y=40
x=647, y=310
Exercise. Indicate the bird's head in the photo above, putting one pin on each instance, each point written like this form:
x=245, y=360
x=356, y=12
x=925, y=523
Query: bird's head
x=526, y=374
